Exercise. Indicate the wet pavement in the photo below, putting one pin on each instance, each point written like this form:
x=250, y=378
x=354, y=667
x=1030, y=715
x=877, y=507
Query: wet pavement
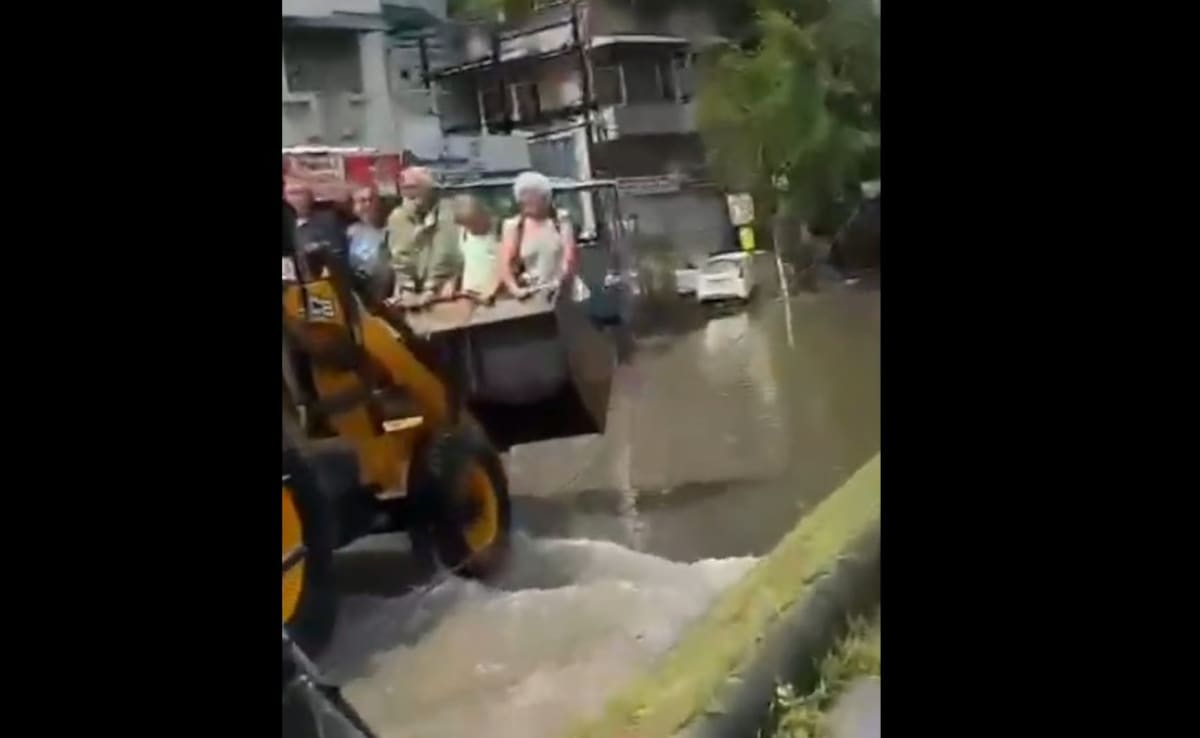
x=719, y=434
x=719, y=437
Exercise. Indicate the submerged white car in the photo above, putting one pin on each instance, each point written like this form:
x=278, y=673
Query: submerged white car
x=686, y=280
x=726, y=277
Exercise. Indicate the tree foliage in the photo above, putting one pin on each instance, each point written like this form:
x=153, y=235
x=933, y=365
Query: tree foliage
x=794, y=119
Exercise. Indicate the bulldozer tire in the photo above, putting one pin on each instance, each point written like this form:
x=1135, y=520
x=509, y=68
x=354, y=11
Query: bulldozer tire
x=309, y=591
x=464, y=502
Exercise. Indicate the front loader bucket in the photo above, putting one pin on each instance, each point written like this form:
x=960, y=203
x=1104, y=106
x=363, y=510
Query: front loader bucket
x=529, y=371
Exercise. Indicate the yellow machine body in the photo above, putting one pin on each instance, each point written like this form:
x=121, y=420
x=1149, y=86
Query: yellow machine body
x=385, y=445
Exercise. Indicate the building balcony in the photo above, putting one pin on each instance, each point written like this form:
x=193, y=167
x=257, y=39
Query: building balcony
x=546, y=35
x=648, y=119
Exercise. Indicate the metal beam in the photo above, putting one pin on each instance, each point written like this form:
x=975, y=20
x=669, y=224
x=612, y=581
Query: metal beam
x=337, y=22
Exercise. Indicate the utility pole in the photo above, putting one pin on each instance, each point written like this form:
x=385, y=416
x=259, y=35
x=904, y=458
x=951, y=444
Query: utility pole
x=585, y=75
x=507, y=102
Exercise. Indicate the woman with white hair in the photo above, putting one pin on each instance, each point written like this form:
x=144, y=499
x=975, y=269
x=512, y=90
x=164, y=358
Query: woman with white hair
x=538, y=244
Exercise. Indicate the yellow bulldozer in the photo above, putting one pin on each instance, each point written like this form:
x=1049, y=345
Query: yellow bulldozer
x=396, y=421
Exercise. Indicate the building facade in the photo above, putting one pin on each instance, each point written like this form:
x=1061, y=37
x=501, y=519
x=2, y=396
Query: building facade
x=600, y=92
x=353, y=75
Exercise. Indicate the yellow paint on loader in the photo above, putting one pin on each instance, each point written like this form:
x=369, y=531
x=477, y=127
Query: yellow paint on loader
x=293, y=538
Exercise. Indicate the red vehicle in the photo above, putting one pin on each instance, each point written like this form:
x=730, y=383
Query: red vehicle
x=333, y=171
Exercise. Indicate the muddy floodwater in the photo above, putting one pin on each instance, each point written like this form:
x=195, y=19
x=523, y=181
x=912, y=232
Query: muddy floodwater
x=720, y=436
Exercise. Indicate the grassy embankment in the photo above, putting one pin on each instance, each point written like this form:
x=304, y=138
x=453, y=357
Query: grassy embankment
x=856, y=655
x=725, y=640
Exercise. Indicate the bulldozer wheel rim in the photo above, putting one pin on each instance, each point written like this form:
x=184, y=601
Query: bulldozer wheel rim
x=484, y=528
x=293, y=537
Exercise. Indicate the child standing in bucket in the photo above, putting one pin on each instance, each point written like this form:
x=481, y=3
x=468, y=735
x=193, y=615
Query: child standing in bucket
x=479, y=247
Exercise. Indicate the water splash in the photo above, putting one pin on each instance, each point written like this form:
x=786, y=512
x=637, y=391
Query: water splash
x=568, y=624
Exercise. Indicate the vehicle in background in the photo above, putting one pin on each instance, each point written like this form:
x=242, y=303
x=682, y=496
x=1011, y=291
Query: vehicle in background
x=726, y=277
x=687, y=280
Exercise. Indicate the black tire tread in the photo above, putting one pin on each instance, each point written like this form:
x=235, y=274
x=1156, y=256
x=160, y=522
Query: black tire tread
x=446, y=461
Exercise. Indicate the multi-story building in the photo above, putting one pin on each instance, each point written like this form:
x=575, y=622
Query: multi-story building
x=600, y=92
x=351, y=79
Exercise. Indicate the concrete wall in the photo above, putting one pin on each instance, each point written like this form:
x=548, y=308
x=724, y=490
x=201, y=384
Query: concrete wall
x=336, y=89
x=383, y=128
x=322, y=60
x=404, y=78
x=316, y=8
x=607, y=19
x=339, y=89
x=345, y=87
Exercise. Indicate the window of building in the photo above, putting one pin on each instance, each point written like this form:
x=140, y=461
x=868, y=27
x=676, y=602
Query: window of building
x=322, y=60
x=607, y=84
x=458, y=108
x=666, y=77
x=643, y=82
x=526, y=101
x=496, y=101
x=684, y=66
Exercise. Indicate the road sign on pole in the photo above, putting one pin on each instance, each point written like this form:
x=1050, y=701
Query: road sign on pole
x=741, y=208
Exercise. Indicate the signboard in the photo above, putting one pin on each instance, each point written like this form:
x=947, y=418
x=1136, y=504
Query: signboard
x=381, y=170
x=332, y=174
x=741, y=209
x=659, y=185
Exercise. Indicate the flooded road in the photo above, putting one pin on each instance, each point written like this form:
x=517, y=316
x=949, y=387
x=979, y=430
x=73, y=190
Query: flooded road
x=720, y=436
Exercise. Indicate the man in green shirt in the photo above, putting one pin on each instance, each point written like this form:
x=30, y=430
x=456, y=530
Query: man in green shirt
x=423, y=240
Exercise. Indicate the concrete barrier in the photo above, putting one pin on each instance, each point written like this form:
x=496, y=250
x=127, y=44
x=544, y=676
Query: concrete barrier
x=788, y=607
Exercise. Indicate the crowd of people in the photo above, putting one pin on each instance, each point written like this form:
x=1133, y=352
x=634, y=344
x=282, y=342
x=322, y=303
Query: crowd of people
x=433, y=246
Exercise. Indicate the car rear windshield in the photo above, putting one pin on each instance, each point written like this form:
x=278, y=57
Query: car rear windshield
x=722, y=269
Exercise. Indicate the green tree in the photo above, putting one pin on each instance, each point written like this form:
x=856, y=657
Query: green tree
x=794, y=118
